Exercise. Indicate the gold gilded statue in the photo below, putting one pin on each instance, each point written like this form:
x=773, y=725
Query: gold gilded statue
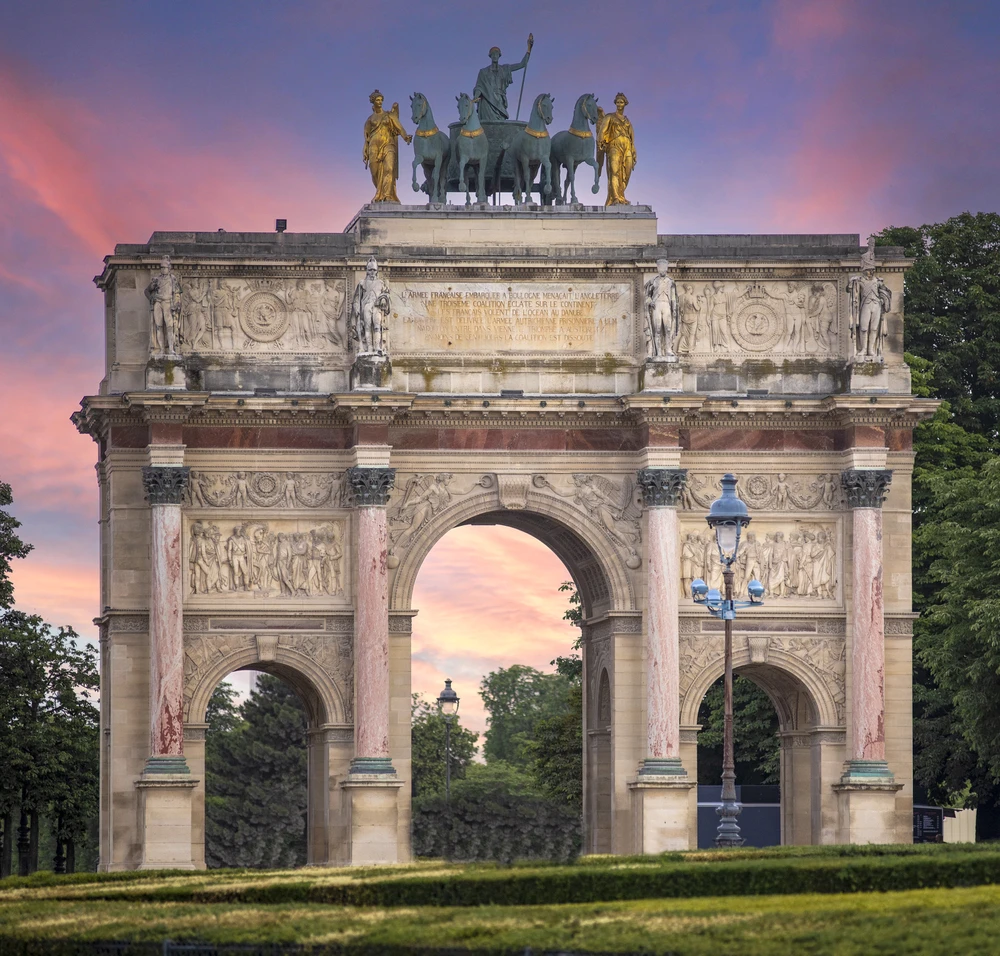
x=616, y=140
x=381, y=154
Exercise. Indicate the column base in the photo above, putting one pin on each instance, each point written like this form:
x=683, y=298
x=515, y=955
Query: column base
x=372, y=819
x=165, y=820
x=661, y=814
x=866, y=803
x=372, y=766
x=662, y=767
x=163, y=764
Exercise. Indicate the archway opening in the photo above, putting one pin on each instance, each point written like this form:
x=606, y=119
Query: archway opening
x=493, y=606
x=256, y=771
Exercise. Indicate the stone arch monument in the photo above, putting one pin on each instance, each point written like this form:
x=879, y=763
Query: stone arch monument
x=325, y=407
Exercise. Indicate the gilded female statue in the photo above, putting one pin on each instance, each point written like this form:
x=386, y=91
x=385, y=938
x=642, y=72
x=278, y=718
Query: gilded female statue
x=616, y=140
x=381, y=153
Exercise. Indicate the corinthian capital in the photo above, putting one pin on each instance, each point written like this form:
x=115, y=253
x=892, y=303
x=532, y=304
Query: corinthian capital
x=371, y=486
x=165, y=484
x=865, y=487
x=662, y=486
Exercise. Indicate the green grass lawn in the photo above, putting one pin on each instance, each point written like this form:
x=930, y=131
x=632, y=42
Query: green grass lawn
x=207, y=907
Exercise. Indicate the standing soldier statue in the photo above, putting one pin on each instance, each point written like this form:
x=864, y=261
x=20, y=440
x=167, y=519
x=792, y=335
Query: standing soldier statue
x=871, y=299
x=164, y=294
x=662, y=313
x=491, y=85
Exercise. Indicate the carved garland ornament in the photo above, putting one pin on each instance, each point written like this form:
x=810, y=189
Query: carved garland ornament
x=265, y=489
x=779, y=492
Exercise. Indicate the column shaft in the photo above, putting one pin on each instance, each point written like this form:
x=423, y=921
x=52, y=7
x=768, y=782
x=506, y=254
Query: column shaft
x=663, y=729
x=868, y=646
x=166, y=636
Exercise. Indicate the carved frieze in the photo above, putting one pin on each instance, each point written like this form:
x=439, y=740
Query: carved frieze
x=794, y=317
x=266, y=559
x=266, y=489
x=261, y=314
x=614, y=507
x=794, y=560
x=778, y=492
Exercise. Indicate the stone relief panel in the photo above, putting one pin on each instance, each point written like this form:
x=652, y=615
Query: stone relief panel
x=825, y=657
x=333, y=653
x=424, y=496
x=797, y=560
x=265, y=489
x=615, y=507
x=780, y=492
x=265, y=314
x=298, y=560
x=513, y=316
x=795, y=317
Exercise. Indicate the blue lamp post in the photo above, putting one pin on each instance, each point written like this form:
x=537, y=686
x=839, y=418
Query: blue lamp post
x=447, y=702
x=727, y=517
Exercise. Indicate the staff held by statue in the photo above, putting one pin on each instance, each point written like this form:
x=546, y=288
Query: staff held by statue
x=531, y=43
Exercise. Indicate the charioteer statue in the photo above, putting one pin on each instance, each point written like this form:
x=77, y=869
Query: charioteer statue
x=491, y=85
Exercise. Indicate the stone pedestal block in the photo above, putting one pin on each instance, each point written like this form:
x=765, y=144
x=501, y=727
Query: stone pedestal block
x=660, y=814
x=372, y=818
x=661, y=375
x=165, y=821
x=371, y=371
x=166, y=372
x=869, y=377
x=866, y=812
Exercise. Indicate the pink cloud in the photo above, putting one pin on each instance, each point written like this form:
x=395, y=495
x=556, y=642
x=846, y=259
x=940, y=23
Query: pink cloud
x=799, y=23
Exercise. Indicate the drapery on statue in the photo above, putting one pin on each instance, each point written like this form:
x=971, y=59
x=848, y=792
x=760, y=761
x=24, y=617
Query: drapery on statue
x=381, y=153
x=491, y=85
x=616, y=140
x=871, y=300
x=662, y=312
x=164, y=295
x=369, y=311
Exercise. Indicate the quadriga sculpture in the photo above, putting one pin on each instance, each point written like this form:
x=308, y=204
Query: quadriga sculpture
x=532, y=149
x=575, y=146
x=471, y=147
x=430, y=150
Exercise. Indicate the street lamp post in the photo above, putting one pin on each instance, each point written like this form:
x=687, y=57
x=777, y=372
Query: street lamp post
x=448, y=702
x=727, y=517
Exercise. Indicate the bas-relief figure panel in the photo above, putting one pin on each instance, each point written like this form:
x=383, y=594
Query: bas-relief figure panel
x=266, y=489
x=261, y=315
x=265, y=560
x=795, y=560
x=513, y=316
x=720, y=318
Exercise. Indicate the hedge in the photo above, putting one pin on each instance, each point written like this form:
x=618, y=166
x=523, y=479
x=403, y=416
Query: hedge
x=592, y=883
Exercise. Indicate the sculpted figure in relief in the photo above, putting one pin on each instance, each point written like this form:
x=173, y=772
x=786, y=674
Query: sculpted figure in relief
x=662, y=312
x=164, y=295
x=381, y=152
x=718, y=306
x=689, y=311
x=369, y=312
x=871, y=300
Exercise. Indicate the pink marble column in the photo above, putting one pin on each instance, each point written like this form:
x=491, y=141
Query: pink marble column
x=165, y=487
x=866, y=490
x=371, y=487
x=661, y=490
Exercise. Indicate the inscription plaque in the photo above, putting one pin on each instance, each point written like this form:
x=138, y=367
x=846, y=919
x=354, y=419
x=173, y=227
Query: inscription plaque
x=512, y=317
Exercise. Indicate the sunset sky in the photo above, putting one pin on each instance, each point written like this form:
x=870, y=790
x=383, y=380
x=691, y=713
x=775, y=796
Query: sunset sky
x=119, y=118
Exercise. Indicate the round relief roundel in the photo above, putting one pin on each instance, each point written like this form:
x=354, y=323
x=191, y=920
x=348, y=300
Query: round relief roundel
x=757, y=327
x=263, y=317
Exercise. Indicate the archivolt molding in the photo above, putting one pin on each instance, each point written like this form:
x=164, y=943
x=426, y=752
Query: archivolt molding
x=572, y=536
x=815, y=664
x=319, y=667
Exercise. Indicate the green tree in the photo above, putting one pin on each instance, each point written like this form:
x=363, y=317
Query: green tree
x=255, y=768
x=755, y=730
x=515, y=698
x=427, y=747
x=11, y=546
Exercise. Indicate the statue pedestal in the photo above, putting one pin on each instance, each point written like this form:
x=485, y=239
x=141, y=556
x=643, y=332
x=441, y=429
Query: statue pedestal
x=373, y=818
x=869, y=377
x=165, y=820
x=661, y=814
x=371, y=370
x=166, y=371
x=661, y=375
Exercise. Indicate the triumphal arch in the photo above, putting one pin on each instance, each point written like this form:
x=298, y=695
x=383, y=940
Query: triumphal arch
x=289, y=422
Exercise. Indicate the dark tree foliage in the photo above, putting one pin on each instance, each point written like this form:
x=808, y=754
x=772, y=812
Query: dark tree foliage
x=11, y=546
x=255, y=767
x=755, y=735
x=427, y=743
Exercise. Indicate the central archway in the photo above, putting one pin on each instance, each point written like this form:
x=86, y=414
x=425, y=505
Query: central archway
x=608, y=602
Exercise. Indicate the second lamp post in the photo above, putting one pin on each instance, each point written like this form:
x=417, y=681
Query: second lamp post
x=727, y=517
x=448, y=708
